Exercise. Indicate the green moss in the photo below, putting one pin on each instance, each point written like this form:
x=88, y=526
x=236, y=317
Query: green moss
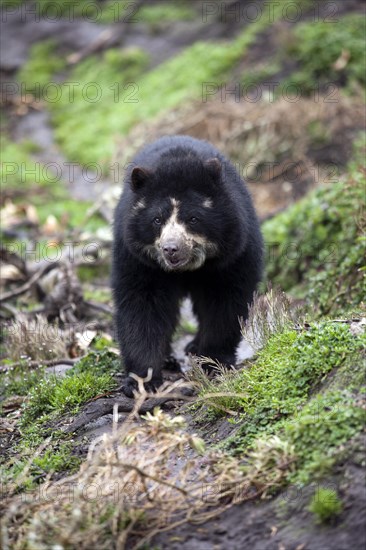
x=100, y=362
x=286, y=397
x=185, y=327
x=28, y=146
x=67, y=211
x=40, y=68
x=104, y=92
x=88, y=273
x=101, y=295
x=21, y=172
x=86, y=129
x=100, y=343
x=316, y=46
x=318, y=432
x=19, y=380
x=325, y=504
x=58, y=456
x=58, y=395
x=98, y=11
x=165, y=12
x=286, y=371
x=57, y=459
x=18, y=170
x=316, y=248
x=10, y=3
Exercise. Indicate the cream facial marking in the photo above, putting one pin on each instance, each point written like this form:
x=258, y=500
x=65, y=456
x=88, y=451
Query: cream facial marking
x=175, y=203
x=191, y=250
x=207, y=203
x=173, y=229
x=140, y=205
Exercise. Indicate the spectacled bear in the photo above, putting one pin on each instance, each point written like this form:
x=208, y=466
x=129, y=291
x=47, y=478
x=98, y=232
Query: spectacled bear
x=185, y=225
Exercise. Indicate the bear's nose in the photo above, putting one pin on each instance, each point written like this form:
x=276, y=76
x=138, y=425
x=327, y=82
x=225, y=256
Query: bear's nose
x=170, y=248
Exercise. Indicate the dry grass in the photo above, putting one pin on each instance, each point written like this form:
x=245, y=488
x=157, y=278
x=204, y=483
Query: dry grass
x=269, y=313
x=143, y=478
x=256, y=133
x=35, y=339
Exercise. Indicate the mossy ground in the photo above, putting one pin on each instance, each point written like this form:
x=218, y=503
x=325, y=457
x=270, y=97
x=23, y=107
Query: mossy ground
x=307, y=385
x=303, y=393
x=282, y=394
x=325, y=504
x=22, y=173
x=328, y=52
x=126, y=92
x=315, y=249
x=91, y=10
x=39, y=71
x=42, y=448
x=166, y=12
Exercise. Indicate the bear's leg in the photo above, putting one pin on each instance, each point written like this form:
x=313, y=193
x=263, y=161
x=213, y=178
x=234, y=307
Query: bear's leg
x=145, y=322
x=193, y=345
x=219, y=309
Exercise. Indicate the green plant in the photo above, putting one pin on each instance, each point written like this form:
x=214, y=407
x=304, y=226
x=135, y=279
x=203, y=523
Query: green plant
x=165, y=12
x=100, y=361
x=325, y=504
x=20, y=380
x=57, y=458
x=316, y=247
x=285, y=370
x=87, y=130
x=58, y=395
x=18, y=170
x=320, y=429
x=328, y=52
x=41, y=66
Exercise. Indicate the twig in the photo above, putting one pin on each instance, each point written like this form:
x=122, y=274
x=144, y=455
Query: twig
x=104, y=40
x=24, y=288
x=143, y=474
x=99, y=307
x=40, y=363
x=105, y=405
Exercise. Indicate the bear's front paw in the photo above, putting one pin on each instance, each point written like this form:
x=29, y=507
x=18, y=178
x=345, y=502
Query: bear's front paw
x=130, y=386
x=153, y=385
x=172, y=364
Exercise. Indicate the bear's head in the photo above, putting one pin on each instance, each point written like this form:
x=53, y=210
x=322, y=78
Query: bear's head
x=180, y=216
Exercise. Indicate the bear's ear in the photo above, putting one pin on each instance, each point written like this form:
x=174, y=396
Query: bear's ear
x=139, y=176
x=213, y=168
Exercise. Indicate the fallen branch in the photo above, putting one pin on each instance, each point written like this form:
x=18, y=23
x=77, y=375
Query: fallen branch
x=105, y=405
x=28, y=285
x=99, y=307
x=40, y=363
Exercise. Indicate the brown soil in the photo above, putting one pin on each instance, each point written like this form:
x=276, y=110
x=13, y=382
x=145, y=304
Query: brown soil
x=284, y=523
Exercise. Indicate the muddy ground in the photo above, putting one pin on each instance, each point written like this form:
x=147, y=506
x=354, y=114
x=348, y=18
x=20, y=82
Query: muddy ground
x=282, y=523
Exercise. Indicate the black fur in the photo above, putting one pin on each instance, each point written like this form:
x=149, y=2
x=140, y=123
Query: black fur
x=146, y=296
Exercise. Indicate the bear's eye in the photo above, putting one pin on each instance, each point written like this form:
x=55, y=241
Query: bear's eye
x=157, y=220
x=193, y=220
